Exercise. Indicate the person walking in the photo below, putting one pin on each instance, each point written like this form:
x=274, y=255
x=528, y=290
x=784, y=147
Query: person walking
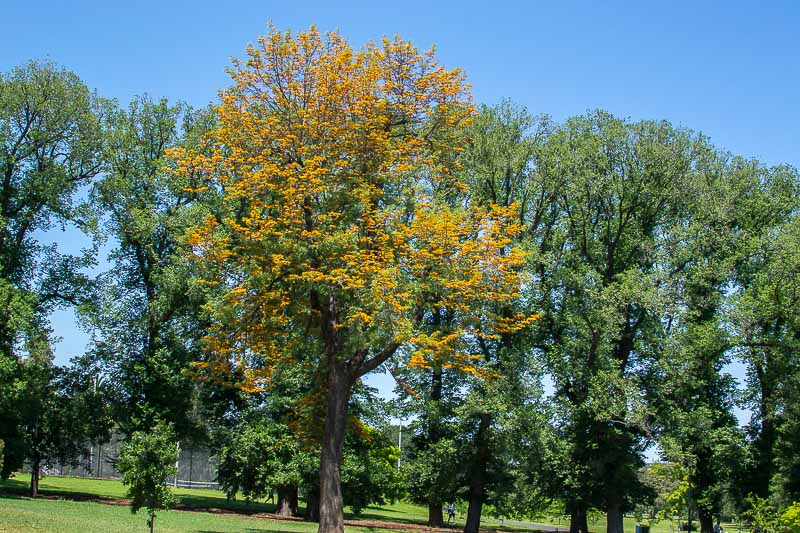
x=451, y=511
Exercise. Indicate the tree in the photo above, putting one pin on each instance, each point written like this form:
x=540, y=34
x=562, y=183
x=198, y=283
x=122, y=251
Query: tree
x=62, y=411
x=146, y=317
x=499, y=160
x=273, y=451
x=146, y=461
x=786, y=481
x=264, y=457
x=328, y=243
x=790, y=519
x=764, y=315
x=433, y=460
x=610, y=191
x=50, y=147
x=761, y=514
x=697, y=397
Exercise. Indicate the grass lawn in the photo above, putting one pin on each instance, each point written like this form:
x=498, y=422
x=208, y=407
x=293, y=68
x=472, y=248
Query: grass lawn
x=18, y=513
x=200, y=498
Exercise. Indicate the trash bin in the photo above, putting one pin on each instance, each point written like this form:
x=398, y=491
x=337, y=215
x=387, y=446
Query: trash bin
x=641, y=528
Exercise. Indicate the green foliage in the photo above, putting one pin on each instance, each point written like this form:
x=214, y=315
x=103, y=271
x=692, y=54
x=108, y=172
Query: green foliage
x=790, y=519
x=50, y=147
x=603, y=195
x=146, y=309
x=434, y=470
x=58, y=412
x=146, y=462
x=761, y=514
x=767, y=336
x=263, y=457
x=369, y=470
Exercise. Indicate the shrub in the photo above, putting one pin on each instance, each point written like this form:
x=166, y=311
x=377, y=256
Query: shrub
x=146, y=462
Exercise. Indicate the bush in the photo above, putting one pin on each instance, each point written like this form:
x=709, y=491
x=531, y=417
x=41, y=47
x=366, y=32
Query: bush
x=146, y=462
x=790, y=519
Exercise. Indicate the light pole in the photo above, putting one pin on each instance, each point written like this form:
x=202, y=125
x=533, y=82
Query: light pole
x=400, y=445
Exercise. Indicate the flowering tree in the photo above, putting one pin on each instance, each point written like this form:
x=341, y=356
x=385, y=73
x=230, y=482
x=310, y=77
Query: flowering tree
x=332, y=244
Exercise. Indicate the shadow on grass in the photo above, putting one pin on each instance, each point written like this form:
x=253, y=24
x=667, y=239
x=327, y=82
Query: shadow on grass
x=250, y=530
x=383, y=518
x=15, y=485
x=211, y=502
x=382, y=509
x=186, y=502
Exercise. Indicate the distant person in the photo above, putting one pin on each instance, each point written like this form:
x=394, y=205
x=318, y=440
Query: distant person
x=451, y=511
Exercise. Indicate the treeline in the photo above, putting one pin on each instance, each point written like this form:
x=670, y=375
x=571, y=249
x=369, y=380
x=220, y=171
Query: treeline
x=552, y=299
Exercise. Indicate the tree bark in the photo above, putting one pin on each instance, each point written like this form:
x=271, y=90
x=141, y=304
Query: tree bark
x=706, y=521
x=578, y=522
x=36, y=465
x=312, y=507
x=331, y=508
x=435, y=517
x=477, y=482
x=614, y=520
x=474, y=510
x=287, y=501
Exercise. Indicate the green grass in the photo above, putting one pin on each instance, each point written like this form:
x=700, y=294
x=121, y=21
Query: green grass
x=18, y=513
x=598, y=525
x=197, y=498
x=109, y=488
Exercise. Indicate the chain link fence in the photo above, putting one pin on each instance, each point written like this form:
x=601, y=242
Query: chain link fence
x=197, y=466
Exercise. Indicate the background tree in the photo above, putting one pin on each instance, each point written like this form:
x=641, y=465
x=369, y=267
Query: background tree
x=50, y=147
x=698, y=420
x=62, y=410
x=763, y=316
x=500, y=156
x=264, y=458
x=613, y=189
x=146, y=462
x=433, y=458
x=146, y=316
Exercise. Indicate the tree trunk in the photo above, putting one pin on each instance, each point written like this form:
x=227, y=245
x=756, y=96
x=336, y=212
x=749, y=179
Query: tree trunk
x=36, y=465
x=706, y=521
x=614, y=522
x=331, y=508
x=578, y=522
x=435, y=517
x=287, y=501
x=312, y=506
x=477, y=482
x=473, y=524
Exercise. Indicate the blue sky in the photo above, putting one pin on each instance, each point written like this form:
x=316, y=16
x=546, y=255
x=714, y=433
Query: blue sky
x=730, y=69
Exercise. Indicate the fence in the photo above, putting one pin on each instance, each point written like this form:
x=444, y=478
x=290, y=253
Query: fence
x=197, y=467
